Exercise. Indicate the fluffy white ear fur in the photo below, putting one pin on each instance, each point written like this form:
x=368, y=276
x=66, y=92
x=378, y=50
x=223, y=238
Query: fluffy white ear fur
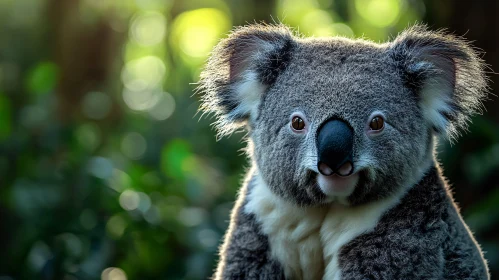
x=436, y=95
x=248, y=92
x=249, y=89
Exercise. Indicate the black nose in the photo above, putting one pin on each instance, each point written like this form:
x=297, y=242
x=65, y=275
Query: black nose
x=335, y=148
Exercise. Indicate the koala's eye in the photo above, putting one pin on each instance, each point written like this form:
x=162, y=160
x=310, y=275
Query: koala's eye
x=377, y=123
x=298, y=123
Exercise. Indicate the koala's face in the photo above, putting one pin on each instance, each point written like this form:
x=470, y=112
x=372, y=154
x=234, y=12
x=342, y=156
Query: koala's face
x=352, y=82
x=335, y=119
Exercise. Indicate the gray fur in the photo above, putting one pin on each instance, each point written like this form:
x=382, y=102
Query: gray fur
x=247, y=254
x=421, y=238
x=351, y=79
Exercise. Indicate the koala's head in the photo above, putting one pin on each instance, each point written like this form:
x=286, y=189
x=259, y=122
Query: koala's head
x=341, y=119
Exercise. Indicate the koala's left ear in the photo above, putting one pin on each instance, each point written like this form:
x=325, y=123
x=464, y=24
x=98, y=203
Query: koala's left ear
x=446, y=74
x=240, y=70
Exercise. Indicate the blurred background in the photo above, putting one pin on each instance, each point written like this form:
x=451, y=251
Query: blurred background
x=106, y=172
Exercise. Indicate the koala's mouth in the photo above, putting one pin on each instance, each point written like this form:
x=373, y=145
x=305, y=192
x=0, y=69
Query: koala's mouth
x=337, y=186
x=334, y=187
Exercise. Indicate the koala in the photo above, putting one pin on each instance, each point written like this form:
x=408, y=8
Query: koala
x=344, y=181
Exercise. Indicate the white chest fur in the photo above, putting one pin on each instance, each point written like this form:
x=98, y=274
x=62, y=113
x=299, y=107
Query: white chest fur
x=307, y=240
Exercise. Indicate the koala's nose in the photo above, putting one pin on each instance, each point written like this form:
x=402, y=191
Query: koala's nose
x=335, y=148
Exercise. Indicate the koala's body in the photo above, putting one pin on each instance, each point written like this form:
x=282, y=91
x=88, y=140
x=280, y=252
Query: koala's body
x=344, y=183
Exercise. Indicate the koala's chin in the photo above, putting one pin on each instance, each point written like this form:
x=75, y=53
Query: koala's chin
x=337, y=186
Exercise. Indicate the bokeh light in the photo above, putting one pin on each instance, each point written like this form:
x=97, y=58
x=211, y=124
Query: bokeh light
x=116, y=226
x=119, y=180
x=141, y=100
x=88, y=136
x=38, y=255
x=43, y=78
x=129, y=200
x=192, y=216
x=133, y=145
x=113, y=273
x=96, y=105
x=293, y=11
x=100, y=167
x=148, y=28
x=197, y=31
x=88, y=219
x=133, y=51
x=317, y=23
x=164, y=108
x=380, y=13
x=144, y=74
x=208, y=238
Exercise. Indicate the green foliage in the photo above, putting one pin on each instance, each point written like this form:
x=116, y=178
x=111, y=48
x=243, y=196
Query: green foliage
x=106, y=168
x=42, y=78
x=174, y=157
x=5, y=117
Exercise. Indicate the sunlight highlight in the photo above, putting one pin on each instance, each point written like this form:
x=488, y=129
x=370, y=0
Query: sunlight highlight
x=129, y=200
x=380, y=13
x=148, y=28
x=316, y=23
x=143, y=73
x=133, y=145
x=197, y=31
x=113, y=273
x=116, y=226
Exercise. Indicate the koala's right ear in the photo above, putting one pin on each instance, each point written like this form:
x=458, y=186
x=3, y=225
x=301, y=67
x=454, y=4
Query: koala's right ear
x=240, y=70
